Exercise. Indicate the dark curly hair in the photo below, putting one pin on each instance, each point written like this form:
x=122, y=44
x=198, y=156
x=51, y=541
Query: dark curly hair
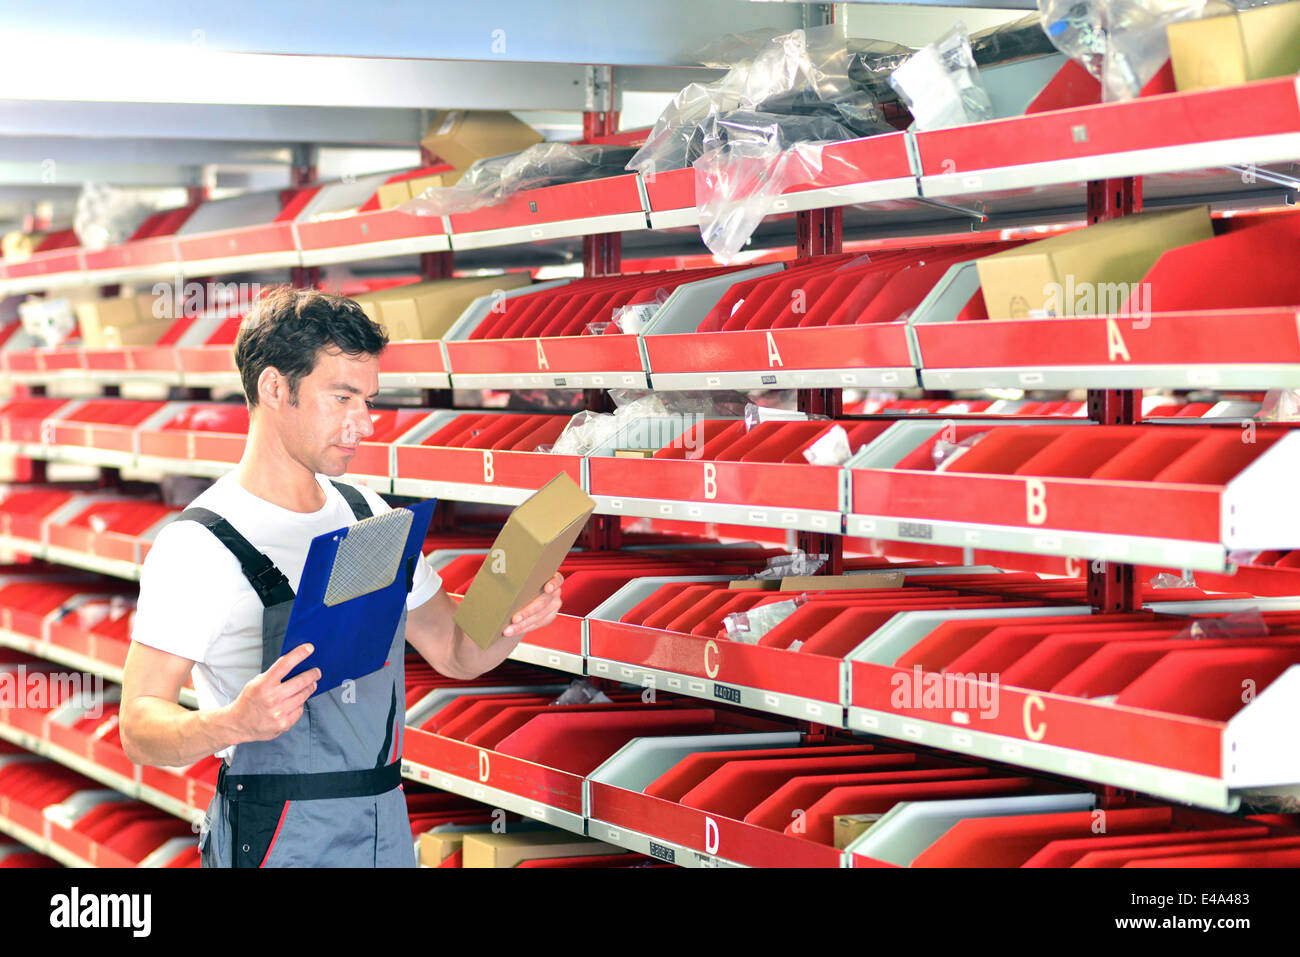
x=288, y=328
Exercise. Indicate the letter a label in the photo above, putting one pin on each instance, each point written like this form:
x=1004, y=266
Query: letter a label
x=1115, y=347
x=773, y=355
x=541, y=357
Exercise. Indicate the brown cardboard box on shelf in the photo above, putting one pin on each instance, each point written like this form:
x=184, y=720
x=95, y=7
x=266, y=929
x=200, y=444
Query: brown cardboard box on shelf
x=459, y=137
x=634, y=453
x=1247, y=45
x=139, y=334
x=755, y=584
x=393, y=194
x=119, y=312
x=426, y=310
x=842, y=582
x=18, y=246
x=526, y=553
x=849, y=826
x=507, y=850
x=420, y=183
x=437, y=846
x=1088, y=271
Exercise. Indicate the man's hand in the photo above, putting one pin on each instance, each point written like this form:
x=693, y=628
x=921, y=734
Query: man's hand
x=539, y=612
x=432, y=632
x=268, y=705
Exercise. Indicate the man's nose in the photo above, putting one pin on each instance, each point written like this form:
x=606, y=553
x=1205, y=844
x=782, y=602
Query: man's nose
x=363, y=423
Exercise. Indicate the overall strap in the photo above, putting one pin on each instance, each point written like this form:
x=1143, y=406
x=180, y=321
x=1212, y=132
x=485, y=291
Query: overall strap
x=267, y=580
x=356, y=501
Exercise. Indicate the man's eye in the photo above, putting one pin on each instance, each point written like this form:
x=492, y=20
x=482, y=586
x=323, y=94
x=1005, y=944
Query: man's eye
x=343, y=398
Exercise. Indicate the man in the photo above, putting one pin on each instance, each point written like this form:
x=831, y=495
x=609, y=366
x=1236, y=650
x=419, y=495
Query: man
x=305, y=781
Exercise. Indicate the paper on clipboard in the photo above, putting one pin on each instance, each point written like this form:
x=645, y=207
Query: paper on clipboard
x=352, y=594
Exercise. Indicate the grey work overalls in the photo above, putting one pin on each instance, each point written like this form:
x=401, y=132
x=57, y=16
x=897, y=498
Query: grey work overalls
x=327, y=792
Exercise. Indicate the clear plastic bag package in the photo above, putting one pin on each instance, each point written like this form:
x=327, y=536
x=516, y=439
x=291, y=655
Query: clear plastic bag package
x=1280, y=405
x=754, y=414
x=1010, y=41
x=1120, y=42
x=945, y=453
x=493, y=179
x=581, y=691
x=750, y=626
x=587, y=431
x=797, y=563
x=758, y=130
x=1239, y=624
x=941, y=84
x=831, y=449
x=106, y=216
x=1170, y=580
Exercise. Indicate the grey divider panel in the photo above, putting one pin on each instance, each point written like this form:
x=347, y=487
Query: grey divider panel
x=198, y=332
x=249, y=209
x=629, y=596
x=639, y=589
x=1012, y=86
x=689, y=303
x=940, y=570
x=888, y=448
x=901, y=633
x=68, y=812
x=339, y=196
x=430, y=424
x=430, y=704
x=481, y=308
x=1227, y=605
x=942, y=304
x=641, y=761
x=909, y=828
x=74, y=709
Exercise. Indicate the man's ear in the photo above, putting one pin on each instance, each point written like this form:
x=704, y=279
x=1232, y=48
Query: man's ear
x=272, y=388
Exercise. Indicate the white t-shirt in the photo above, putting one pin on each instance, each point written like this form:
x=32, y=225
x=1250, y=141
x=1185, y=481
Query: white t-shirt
x=196, y=603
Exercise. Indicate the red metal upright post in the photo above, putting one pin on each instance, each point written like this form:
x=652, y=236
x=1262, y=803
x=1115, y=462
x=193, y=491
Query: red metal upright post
x=820, y=232
x=602, y=255
x=302, y=174
x=1113, y=587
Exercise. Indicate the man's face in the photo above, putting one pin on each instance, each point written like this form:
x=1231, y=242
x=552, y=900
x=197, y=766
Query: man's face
x=332, y=413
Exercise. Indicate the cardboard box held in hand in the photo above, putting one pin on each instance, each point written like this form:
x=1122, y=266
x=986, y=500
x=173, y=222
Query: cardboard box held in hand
x=527, y=552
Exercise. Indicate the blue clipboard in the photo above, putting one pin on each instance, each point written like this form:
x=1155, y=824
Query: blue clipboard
x=348, y=619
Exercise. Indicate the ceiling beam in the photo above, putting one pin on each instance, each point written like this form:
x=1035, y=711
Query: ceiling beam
x=149, y=152
x=48, y=172
x=576, y=31
x=105, y=73
x=167, y=121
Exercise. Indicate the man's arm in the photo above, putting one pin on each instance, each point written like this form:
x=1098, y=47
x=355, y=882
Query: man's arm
x=432, y=632
x=156, y=730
